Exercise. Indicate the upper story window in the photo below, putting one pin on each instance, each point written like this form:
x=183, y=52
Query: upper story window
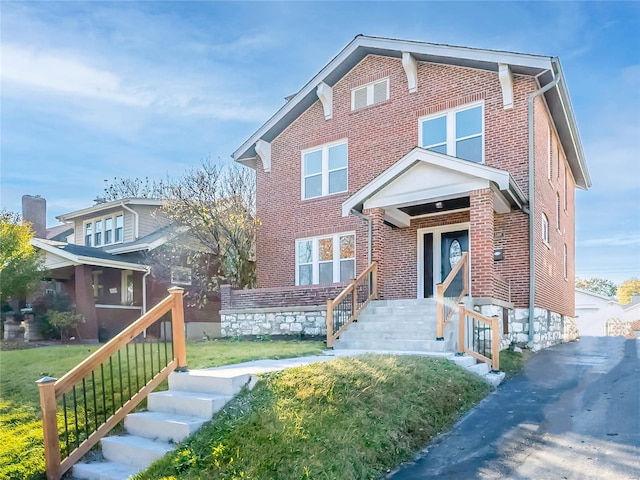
x=370, y=94
x=545, y=229
x=557, y=211
x=104, y=231
x=324, y=170
x=325, y=259
x=458, y=132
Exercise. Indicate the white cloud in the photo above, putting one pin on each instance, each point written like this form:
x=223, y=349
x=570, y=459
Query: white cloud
x=621, y=240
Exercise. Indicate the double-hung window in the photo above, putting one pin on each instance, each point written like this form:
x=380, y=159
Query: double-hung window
x=457, y=133
x=326, y=259
x=119, y=228
x=108, y=230
x=324, y=170
x=88, y=234
x=545, y=229
x=104, y=231
x=98, y=233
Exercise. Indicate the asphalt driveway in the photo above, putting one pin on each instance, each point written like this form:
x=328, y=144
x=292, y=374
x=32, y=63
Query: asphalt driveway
x=574, y=414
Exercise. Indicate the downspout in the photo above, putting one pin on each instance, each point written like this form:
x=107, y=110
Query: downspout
x=532, y=201
x=370, y=229
x=135, y=221
x=144, y=290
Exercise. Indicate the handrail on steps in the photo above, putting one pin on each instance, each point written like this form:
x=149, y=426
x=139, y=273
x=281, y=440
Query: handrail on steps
x=350, y=302
x=472, y=336
x=85, y=416
x=450, y=292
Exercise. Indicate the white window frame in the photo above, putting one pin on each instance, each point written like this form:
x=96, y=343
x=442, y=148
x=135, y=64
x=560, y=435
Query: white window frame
x=369, y=86
x=315, y=256
x=325, y=168
x=181, y=275
x=103, y=235
x=558, y=210
x=124, y=291
x=450, y=115
x=85, y=227
x=545, y=229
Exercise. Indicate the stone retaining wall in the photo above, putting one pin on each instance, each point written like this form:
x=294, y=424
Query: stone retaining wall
x=295, y=321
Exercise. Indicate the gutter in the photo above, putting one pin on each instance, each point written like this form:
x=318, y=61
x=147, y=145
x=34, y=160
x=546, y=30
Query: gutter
x=144, y=290
x=135, y=222
x=370, y=229
x=532, y=200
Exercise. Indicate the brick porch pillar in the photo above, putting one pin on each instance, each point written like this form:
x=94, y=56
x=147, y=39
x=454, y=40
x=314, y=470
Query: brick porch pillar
x=378, y=244
x=482, y=235
x=85, y=304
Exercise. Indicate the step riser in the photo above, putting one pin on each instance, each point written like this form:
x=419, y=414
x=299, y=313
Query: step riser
x=208, y=384
x=397, y=312
x=165, y=431
x=195, y=407
x=103, y=471
x=392, y=345
x=387, y=320
x=130, y=455
x=404, y=303
x=387, y=335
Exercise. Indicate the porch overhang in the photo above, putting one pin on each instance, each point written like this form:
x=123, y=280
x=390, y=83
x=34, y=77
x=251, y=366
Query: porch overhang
x=423, y=176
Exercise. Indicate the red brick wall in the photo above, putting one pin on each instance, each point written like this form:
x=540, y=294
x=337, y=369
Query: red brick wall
x=553, y=291
x=378, y=137
x=307, y=295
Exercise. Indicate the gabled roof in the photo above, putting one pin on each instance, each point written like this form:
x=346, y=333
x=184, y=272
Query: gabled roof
x=149, y=242
x=544, y=68
x=597, y=295
x=109, y=205
x=81, y=255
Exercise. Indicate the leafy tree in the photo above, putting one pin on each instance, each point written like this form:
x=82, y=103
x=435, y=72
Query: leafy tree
x=627, y=289
x=598, y=285
x=20, y=264
x=213, y=209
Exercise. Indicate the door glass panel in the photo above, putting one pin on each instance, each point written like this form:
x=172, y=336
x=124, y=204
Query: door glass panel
x=470, y=149
x=469, y=122
x=326, y=272
x=434, y=132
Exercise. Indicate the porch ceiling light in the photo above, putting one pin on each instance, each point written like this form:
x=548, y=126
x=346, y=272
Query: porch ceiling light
x=438, y=204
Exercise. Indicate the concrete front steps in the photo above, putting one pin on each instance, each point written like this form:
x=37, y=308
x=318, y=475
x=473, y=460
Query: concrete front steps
x=191, y=401
x=404, y=327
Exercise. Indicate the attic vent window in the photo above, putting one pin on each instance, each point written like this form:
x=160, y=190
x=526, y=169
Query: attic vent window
x=370, y=94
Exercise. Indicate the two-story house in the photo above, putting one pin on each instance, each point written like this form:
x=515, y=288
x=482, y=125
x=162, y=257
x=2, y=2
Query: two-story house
x=408, y=154
x=113, y=268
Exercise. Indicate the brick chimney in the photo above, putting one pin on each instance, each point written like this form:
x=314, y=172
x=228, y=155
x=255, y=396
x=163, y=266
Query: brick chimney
x=34, y=211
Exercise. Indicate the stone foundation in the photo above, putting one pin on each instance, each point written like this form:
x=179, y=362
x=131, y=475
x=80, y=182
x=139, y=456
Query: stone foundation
x=294, y=321
x=549, y=328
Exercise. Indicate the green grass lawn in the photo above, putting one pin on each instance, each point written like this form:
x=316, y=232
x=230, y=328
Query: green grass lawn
x=348, y=419
x=21, y=446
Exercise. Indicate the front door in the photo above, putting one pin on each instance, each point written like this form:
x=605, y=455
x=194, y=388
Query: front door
x=452, y=244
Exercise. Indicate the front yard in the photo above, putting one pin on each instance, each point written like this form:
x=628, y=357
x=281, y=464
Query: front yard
x=21, y=445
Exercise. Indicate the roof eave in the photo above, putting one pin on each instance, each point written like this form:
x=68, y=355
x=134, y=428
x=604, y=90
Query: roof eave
x=107, y=205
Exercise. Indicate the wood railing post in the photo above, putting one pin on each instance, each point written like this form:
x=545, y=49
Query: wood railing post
x=354, y=297
x=329, y=323
x=495, y=344
x=440, y=311
x=462, y=320
x=374, y=278
x=465, y=275
x=48, y=406
x=177, y=328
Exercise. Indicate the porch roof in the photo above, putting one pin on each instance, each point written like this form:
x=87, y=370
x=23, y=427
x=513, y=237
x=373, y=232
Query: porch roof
x=62, y=255
x=423, y=176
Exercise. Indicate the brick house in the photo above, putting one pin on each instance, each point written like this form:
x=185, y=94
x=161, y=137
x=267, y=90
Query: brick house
x=407, y=154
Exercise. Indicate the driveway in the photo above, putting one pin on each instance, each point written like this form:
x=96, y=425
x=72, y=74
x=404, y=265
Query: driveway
x=574, y=414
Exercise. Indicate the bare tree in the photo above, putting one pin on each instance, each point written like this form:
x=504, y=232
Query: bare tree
x=127, y=187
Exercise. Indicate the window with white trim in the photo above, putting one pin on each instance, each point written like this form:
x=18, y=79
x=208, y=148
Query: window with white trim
x=126, y=288
x=549, y=162
x=545, y=228
x=324, y=170
x=565, y=262
x=181, y=275
x=103, y=231
x=557, y=211
x=370, y=94
x=565, y=188
x=458, y=132
x=325, y=259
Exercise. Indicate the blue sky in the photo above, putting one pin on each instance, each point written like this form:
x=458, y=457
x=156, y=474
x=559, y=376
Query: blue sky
x=101, y=89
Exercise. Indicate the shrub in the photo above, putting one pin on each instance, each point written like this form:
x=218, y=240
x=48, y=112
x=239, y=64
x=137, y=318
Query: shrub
x=65, y=322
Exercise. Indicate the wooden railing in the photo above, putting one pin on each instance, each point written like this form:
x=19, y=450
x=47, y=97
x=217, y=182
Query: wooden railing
x=83, y=405
x=479, y=336
x=349, y=303
x=450, y=292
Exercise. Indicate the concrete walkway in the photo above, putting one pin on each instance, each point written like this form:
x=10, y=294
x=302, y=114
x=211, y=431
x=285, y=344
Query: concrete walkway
x=573, y=414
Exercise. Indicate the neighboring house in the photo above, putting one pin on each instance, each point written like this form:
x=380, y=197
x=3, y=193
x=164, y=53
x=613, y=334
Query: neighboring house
x=110, y=267
x=407, y=154
x=598, y=315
